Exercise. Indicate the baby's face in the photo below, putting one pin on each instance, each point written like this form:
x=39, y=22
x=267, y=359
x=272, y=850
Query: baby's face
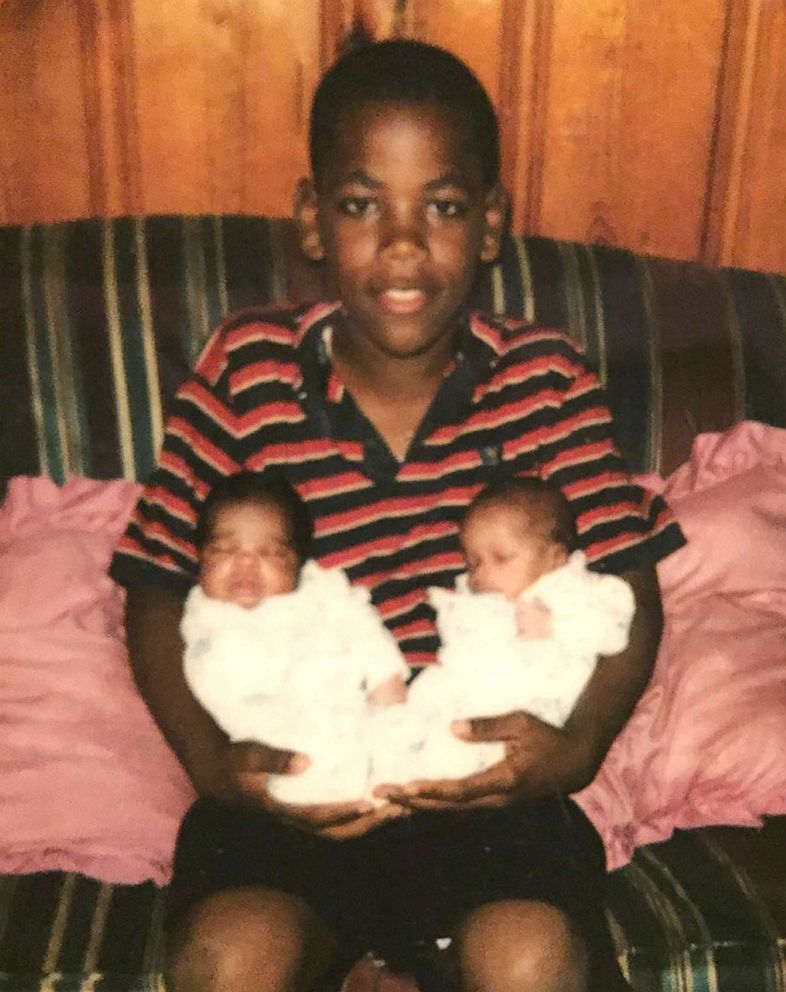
x=503, y=554
x=248, y=555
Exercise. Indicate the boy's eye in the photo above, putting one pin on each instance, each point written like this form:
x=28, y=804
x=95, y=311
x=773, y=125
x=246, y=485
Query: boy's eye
x=356, y=206
x=446, y=208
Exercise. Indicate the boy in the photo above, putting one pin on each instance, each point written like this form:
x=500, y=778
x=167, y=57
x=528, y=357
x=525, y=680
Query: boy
x=528, y=596
x=388, y=411
x=279, y=649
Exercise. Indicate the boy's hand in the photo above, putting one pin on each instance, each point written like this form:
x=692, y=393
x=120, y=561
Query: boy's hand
x=252, y=764
x=541, y=761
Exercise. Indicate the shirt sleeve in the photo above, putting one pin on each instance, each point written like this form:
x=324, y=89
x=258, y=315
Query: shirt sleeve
x=621, y=525
x=200, y=446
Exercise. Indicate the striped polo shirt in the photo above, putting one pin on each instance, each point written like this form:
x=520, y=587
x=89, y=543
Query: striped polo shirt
x=515, y=399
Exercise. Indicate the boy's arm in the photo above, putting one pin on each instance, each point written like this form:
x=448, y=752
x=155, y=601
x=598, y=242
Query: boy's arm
x=543, y=760
x=235, y=774
x=155, y=649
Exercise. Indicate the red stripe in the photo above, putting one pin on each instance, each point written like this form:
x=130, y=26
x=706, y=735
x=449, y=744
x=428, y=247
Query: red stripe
x=157, y=530
x=341, y=482
x=282, y=454
x=417, y=628
x=594, y=484
x=486, y=420
x=269, y=413
x=260, y=330
x=176, y=466
x=417, y=658
x=421, y=568
x=316, y=313
x=193, y=391
x=213, y=360
x=131, y=547
x=390, y=544
x=402, y=604
x=395, y=507
x=208, y=452
x=256, y=372
x=173, y=505
x=606, y=514
x=423, y=471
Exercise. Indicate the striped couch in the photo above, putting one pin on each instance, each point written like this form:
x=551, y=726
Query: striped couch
x=98, y=322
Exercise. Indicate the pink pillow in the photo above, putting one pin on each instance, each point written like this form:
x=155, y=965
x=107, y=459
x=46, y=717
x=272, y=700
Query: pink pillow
x=87, y=782
x=706, y=743
x=730, y=499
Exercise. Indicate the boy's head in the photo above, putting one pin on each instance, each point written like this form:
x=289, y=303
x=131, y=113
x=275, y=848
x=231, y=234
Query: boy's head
x=404, y=200
x=253, y=535
x=513, y=532
x=409, y=73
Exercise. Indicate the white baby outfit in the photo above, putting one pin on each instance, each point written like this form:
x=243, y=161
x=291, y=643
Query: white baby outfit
x=487, y=669
x=295, y=672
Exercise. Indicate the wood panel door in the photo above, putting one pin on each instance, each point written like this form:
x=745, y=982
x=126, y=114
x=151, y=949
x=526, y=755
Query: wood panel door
x=657, y=127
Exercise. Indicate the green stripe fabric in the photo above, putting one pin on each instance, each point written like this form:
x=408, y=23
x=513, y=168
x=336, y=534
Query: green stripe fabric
x=100, y=319
x=692, y=921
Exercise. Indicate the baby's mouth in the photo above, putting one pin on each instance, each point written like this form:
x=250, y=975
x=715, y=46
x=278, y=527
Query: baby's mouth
x=402, y=299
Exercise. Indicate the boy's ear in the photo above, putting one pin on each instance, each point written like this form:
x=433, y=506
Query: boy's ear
x=496, y=212
x=307, y=221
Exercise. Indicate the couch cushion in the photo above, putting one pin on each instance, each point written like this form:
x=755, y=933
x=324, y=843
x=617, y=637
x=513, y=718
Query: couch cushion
x=683, y=917
x=100, y=319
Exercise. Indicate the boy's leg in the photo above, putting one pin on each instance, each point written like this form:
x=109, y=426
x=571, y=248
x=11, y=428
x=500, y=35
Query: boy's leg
x=495, y=899
x=254, y=904
x=518, y=946
x=248, y=940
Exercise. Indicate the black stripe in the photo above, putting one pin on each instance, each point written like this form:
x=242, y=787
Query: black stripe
x=763, y=327
x=18, y=446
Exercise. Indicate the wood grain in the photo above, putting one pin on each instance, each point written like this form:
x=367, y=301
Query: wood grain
x=658, y=127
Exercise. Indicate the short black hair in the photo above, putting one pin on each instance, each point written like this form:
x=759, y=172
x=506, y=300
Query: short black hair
x=407, y=72
x=266, y=488
x=541, y=500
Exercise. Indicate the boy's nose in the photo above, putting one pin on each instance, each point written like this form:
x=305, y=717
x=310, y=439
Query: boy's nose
x=403, y=234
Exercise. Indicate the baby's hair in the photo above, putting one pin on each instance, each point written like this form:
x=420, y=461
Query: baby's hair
x=265, y=489
x=405, y=72
x=542, y=501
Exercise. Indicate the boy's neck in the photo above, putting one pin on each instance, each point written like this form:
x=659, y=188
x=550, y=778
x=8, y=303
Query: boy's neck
x=408, y=378
x=394, y=393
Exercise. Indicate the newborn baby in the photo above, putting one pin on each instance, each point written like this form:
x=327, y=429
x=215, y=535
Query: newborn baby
x=522, y=631
x=280, y=650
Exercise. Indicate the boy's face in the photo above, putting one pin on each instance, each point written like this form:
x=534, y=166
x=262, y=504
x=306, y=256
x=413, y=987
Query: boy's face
x=402, y=218
x=503, y=553
x=248, y=555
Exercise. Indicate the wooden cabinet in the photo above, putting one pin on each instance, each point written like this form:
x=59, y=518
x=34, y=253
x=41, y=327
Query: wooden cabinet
x=659, y=127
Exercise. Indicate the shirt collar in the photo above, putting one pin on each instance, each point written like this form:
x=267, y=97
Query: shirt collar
x=481, y=341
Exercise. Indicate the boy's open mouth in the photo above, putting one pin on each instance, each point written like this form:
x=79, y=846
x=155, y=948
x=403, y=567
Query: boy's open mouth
x=402, y=300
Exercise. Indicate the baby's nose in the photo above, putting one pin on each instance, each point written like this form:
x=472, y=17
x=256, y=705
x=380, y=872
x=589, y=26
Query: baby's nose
x=477, y=580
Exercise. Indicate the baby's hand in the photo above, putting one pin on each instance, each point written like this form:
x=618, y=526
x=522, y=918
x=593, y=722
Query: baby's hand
x=389, y=693
x=533, y=619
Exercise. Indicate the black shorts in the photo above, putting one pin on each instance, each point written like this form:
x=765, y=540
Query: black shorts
x=400, y=889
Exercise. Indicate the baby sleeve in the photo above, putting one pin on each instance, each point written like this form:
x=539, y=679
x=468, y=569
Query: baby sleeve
x=591, y=612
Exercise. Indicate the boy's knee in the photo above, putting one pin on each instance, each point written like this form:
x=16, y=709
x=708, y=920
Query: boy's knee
x=247, y=939
x=517, y=946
